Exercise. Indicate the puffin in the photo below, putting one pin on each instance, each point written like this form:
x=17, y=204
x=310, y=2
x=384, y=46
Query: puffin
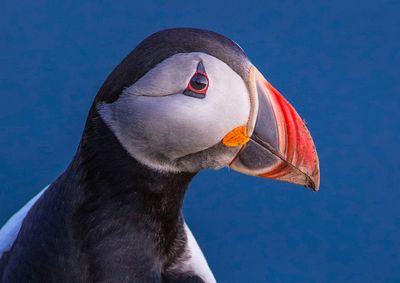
x=182, y=101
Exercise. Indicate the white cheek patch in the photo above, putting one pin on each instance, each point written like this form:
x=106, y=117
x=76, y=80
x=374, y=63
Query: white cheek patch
x=157, y=128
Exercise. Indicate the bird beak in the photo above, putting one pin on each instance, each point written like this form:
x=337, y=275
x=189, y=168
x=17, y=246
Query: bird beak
x=279, y=145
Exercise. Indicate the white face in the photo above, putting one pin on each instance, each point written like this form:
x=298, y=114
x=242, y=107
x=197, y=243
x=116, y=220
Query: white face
x=163, y=128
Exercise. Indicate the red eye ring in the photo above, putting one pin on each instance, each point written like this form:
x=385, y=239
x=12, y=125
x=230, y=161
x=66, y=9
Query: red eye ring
x=198, y=84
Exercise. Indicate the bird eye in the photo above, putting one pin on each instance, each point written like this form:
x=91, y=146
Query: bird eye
x=198, y=84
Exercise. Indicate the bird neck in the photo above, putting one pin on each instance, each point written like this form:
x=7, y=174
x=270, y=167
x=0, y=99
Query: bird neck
x=131, y=199
x=106, y=168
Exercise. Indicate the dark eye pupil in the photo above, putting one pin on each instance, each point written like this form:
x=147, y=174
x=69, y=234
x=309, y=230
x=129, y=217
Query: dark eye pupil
x=199, y=82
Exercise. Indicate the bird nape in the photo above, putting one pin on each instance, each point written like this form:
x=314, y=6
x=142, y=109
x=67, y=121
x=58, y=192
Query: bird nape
x=183, y=100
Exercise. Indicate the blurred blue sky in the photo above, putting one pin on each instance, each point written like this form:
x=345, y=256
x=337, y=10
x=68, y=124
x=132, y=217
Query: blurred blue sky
x=337, y=62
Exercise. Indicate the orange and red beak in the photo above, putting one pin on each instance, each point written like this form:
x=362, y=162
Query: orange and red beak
x=279, y=145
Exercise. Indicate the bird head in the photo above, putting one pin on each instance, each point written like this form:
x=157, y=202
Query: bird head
x=188, y=99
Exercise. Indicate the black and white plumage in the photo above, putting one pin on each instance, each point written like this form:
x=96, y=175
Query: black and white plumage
x=115, y=214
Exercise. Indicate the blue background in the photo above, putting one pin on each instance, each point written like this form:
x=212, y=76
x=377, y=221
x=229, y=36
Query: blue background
x=338, y=63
